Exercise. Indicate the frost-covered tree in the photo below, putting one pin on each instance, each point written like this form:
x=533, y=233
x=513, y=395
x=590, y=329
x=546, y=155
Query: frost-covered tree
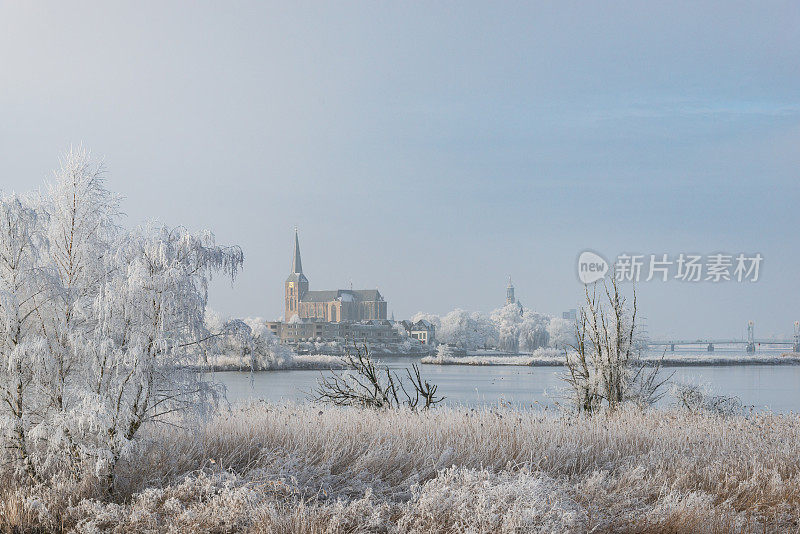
x=485, y=334
x=244, y=343
x=603, y=369
x=456, y=327
x=23, y=289
x=149, y=318
x=561, y=332
x=533, y=332
x=508, y=321
x=96, y=322
x=511, y=328
x=434, y=319
x=81, y=224
x=466, y=330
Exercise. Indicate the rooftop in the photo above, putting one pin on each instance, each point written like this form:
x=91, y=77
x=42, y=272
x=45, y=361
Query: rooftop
x=345, y=295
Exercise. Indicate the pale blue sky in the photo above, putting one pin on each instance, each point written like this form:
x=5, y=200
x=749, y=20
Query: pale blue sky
x=433, y=149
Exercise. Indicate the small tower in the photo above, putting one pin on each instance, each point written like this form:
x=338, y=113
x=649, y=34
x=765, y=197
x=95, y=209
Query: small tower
x=296, y=284
x=510, y=292
x=511, y=299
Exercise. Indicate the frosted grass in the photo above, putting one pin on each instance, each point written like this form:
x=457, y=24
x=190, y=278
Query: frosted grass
x=302, y=468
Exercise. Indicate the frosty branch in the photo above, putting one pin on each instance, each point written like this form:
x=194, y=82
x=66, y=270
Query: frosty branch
x=603, y=369
x=367, y=385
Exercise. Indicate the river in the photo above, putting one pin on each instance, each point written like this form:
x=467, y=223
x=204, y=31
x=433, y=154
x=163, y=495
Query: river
x=762, y=387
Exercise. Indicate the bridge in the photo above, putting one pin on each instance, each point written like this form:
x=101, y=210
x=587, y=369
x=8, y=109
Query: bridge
x=750, y=343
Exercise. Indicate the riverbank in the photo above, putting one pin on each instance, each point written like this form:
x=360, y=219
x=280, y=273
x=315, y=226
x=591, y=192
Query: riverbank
x=285, y=359
x=269, y=468
x=553, y=358
x=290, y=362
x=538, y=358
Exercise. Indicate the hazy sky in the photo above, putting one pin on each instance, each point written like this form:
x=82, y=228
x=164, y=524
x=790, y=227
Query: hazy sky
x=432, y=150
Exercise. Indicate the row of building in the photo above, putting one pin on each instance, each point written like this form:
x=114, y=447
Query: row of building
x=380, y=331
x=344, y=315
x=351, y=315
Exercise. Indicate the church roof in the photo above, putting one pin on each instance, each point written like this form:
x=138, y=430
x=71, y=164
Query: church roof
x=319, y=296
x=296, y=277
x=358, y=295
x=297, y=265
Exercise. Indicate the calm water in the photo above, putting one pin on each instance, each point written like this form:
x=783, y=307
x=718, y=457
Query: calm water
x=764, y=387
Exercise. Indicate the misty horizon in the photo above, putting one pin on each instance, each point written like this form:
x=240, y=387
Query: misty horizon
x=433, y=155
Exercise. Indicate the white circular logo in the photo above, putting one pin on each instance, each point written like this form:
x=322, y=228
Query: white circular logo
x=591, y=267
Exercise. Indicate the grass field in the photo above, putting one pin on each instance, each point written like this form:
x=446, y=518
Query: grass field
x=267, y=468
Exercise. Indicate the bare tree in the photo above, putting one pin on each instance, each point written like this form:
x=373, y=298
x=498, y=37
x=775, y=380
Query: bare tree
x=603, y=369
x=424, y=391
x=365, y=384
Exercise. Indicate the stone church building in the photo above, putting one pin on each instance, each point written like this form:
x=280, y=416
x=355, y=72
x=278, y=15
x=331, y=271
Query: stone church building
x=337, y=305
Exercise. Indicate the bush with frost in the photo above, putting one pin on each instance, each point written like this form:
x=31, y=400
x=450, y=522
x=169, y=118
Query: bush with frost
x=242, y=344
x=695, y=398
x=471, y=500
x=604, y=367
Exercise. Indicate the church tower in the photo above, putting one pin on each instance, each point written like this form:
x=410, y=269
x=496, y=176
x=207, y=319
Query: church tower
x=510, y=298
x=296, y=283
x=510, y=293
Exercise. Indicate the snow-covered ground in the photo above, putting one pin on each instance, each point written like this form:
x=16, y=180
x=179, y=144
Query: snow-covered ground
x=552, y=357
x=726, y=359
x=283, y=358
x=540, y=357
x=270, y=468
x=537, y=357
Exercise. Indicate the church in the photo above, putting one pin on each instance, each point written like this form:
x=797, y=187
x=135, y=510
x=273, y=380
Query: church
x=336, y=305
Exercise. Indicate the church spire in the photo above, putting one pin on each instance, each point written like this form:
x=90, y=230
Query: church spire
x=296, y=284
x=297, y=265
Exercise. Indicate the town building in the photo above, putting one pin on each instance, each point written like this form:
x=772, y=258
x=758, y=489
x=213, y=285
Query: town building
x=314, y=330
x=341, y=315
x=421, y=330
x=337, y=305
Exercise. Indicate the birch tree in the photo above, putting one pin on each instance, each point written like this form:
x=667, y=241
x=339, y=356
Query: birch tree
x=97, y=323
x=21, y=294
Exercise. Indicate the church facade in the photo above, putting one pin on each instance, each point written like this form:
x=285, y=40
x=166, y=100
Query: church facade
x=337, y=305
